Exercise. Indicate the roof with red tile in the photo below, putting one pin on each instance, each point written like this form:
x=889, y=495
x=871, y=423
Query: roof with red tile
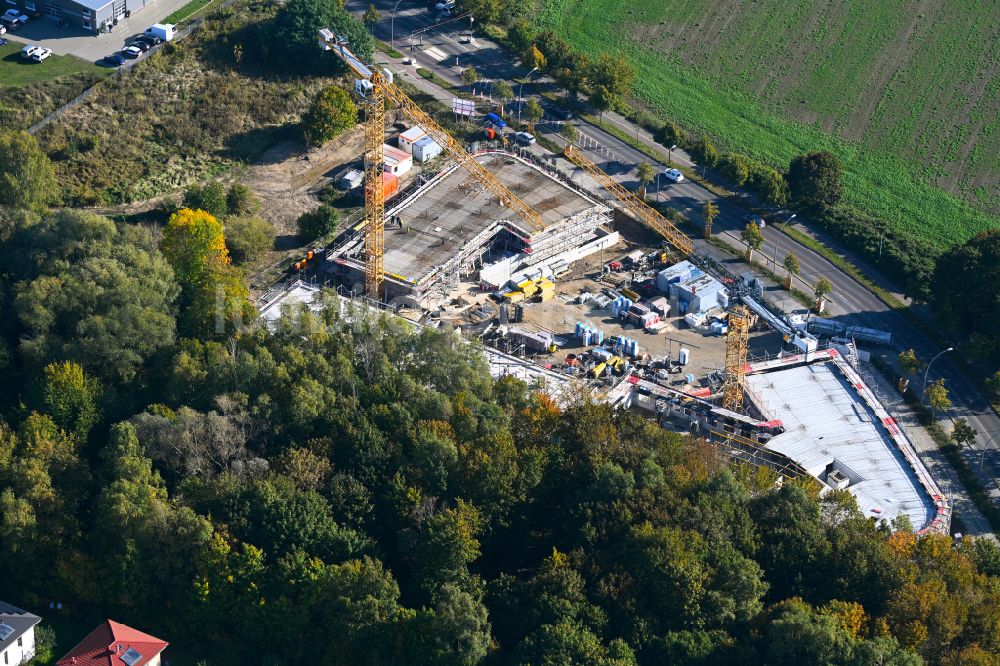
x=109, y=642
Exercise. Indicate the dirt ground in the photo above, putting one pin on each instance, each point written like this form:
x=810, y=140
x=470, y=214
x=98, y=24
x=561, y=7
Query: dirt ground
x=287, y=180
x=559, y=316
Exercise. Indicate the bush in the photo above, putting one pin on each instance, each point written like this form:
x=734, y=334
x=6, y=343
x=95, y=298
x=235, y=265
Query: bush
x=318, y=223
x=241, y=200
x=249, y=237
x=210, y=198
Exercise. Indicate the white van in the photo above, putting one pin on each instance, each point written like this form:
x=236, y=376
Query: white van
x=165, y=31
x=29, y=51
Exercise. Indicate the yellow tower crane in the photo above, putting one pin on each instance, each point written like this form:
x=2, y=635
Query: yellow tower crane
x=736, y=357
x=740, y=318
x=377, y=89
x=633, y=204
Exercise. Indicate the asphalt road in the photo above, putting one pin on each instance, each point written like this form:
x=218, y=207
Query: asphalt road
x=441, y=44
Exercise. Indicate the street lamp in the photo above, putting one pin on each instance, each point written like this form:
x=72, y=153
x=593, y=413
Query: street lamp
x=392, y=26
x=923, y=391
x=776, y=239
x=982, y=456
x=520, y=89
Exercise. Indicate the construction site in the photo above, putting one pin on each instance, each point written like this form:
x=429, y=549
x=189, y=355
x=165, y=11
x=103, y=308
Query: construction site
x=580, y=295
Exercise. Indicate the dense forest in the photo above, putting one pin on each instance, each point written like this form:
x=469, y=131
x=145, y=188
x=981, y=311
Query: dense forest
x=349, y=490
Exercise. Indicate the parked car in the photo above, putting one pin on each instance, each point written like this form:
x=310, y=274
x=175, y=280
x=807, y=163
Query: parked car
x=2, y=41
x=673, y=175
x=2, y=30
x=115, y=59
x=142, y=46
x=756, y=219
x=131, y=52
x=9, y=24
x=16, y=15
x=28, y=51
x=152, y=40
x=524, y=138
x=562, y=113
x=41, y=54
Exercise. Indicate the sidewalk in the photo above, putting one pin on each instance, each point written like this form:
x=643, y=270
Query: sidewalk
x=966, y=517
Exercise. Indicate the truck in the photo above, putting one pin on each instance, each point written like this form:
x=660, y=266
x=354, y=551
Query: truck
x=494, y=120
x=164, y=31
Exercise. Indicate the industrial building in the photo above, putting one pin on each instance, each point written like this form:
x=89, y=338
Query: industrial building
x=451, y=228
x=813, y=414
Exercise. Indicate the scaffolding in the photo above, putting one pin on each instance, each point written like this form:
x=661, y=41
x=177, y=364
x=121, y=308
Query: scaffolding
x=736, y=358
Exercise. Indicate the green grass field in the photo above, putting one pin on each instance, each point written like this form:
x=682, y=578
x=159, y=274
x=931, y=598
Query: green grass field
x=16, y=72
x=905, y=94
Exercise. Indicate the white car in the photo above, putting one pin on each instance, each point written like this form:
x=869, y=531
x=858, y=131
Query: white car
x=673, y=175
x=41, y=54
x=17, y=15
x=28, y=52
x=524, y=138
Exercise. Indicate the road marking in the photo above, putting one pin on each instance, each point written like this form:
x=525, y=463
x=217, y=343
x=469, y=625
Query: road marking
x=436, y=53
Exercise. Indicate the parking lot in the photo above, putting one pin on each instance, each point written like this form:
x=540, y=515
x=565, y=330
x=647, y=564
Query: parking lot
x=87, y=45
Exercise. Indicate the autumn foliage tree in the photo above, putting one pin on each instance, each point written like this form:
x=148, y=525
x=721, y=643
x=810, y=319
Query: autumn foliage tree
x=215, y=297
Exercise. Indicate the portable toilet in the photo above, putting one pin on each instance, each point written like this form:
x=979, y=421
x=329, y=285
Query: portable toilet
x=579, y=329
x=689, y=378
x=600, y=337
x=684, y=356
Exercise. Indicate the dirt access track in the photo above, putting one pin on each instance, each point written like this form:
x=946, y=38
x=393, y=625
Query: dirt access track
x=287, y=179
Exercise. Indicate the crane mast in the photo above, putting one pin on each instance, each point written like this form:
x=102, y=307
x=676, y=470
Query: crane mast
x=377, y=89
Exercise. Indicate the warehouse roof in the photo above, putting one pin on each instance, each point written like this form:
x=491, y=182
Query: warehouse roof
x=830, y=425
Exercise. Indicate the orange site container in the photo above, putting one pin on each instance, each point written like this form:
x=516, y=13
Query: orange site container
x=390, y=185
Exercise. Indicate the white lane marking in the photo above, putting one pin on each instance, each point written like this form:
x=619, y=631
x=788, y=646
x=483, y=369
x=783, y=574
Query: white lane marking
x=436, y=53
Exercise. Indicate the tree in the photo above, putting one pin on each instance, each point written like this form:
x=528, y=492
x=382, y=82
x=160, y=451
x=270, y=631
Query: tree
x=937, y=397
x=294, y=33
x=210, y=197
x=249, y=237
x=602, y=99
x=770, y=184
x=194, y=245
x=706, y=152
x=535, y=58
x=27, y=179
x=240, y=200
x=92, y=293
x=572, y=74
x=470, y=76
x=612, y=72
x=821, y=289
x=910, y=361
x=646, y=175
x=791, y=264
x=569, y=132
x=734, y=168
x=331, y=113
x=669, y=135
x=533, y=112
x=70, y=397
x=503, y=90
x=965, y=288
x=318, y=223
x=993, y=385
x=814, y=180
x=371, y=17
x=797, y=634
x=963, y=434
x=753, y=238
x=710, y=211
